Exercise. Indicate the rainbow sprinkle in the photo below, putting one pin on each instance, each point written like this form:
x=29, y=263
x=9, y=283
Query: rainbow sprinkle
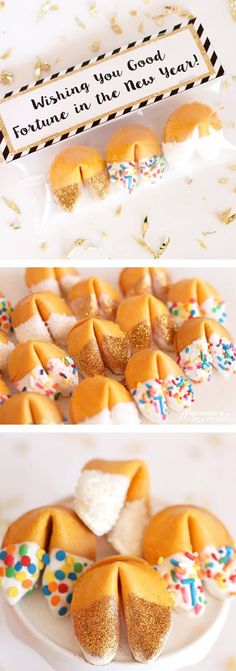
x=6, y=311
x=20, y=566
x=124, y=174
x=183, y=311
x=59, y=379
x=183, y=576
x=59, y=579
x=196, y=361
x=151, y=169
x=151, y=401
x=219, y=570
x=223, y=354
x=179, y=392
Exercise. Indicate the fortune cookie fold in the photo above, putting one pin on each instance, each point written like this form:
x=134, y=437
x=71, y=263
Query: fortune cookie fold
x=102, y=400
x=43, y=316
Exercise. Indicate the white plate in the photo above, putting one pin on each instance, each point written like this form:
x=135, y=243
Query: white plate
x=189, y=642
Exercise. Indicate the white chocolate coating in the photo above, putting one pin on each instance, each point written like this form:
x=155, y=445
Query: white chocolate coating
x=99, y=498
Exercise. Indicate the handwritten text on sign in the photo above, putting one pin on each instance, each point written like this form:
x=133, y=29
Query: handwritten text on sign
x=108, y=86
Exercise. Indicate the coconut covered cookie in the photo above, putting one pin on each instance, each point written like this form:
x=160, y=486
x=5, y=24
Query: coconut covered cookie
x=49, y=539
x=102, y=400
x=58, y=280
x=111, y=584
x=192, y=128
x=114, y=496
x=94, y=298
x=42, y=367
x=30, y=408
x=75, y=168
x=98, y=344
x=194, y=552
x=147, y=322
x=134, y=153
x=157, y=385
x=43, y=316
x=139, y=281
x=195, y=298
x=203, y=344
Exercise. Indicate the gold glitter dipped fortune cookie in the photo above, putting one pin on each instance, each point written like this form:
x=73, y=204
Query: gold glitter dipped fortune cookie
x=97, y=344
x=58, y=280
x=99, y=594
x=157, y=385
x=94, y=298
x=134, y=152
x=192, y=128
x=204, y=344
x=195, y=298
x=44, y=368
x=139, y=281
x=50, y=539
x=114, y=496
x=102, y=400
x=73, y=168
x=5, y=315
x=6, y=348
x=43, y=316
x=193, y=551
x=30, y=408
x=4, y=392
x=146, y=322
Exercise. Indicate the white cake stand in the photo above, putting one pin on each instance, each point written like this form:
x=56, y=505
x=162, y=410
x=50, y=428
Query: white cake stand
x=189, y=642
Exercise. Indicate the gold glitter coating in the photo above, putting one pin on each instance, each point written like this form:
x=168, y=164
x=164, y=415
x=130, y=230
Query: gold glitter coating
x=89, y=360
x=116, y=352
x=67, y=196
x=165, y=330
x=148, y=625
x=98, y=185
x=97, y=628
x=140, y=337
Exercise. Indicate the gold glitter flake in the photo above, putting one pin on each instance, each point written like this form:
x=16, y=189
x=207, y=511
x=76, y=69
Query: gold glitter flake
x=77, y=243
x=97, y=628
x=11, y=204
x=145, y=227
x=43, y=246
x=67, y=196
x=6, y=55
x=92, y=8
x=205, y=233
x=223, y=180
x=15, y=225
x=47, y=7
x=6, y=78
x=115, y=26
x=80, y=23
x=95, y=46
x=118, y=211
x=148, y=625
x=41, y=66
x=226, y=217
x=231, y=664
x=202, y=244
x=175, y=9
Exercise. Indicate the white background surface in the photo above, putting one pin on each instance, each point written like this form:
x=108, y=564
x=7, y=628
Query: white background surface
x=192, y=469
x=175, y=208
x=215, y=400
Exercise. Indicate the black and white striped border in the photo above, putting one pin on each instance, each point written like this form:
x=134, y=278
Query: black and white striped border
x=219, y=71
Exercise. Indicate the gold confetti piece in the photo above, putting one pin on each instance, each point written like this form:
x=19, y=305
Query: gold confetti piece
x=202, y=244
x=145, y=227
x=146, y=246
x=141, y=27
x=41, y=66
x=11, y=204
x=115, y=26
x=92, y=8
x=232, y=7
x=118, y=210
x=205, y=233
x=223, y=180
x=2, y=4
x=15, y=225
x=226, y=217
x=133, y=12
x=6, y=77
x=95, y=46
x=77, y=243
x=231, y=167
x=6, y=54
x=104, y=234
x=231, y=664
x=225, y=84
x=230, y=124
x=79, y=22
x=47, y=7
x=175, y=9
x=189, y=180
x=234, y=78
x=43, y=246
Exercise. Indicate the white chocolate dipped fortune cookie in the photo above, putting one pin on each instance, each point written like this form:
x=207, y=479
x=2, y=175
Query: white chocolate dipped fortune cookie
x=192, y=128
x=192, y=298
x=58, y=280
x=133, y=154
x=114, y=497
x=157, y=385
x=42, y=367
x=203, y=344
x=43, y=316
x=102, y=400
